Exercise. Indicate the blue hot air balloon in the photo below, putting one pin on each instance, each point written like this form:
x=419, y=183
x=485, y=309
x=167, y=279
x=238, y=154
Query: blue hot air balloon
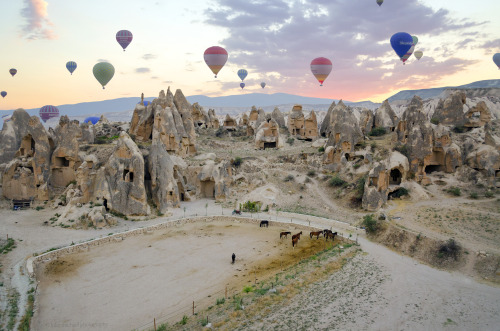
x=3, y=94
x=242, y=73
x=242, y=85
x=496, y=59
x=91, y=119
x=401, y=42
x=71, y=66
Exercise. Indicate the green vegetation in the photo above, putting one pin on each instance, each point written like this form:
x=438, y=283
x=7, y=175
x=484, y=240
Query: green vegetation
x=290, y=141
x=321, y=149
x=435, y=120
x=184, y=320
x=13, y=309
x=336, y=181
x=289, y=178
x=10, y=245
x=220, y=301
x=236, y=162
x=38, y=208
x=474, y=195
x=449, y=249
x=403, y=149
x=454, y=191
x=311, y=173
x=375, y=132
x=118, y=214
x=251, y=206
x=162, y=327
x=370, y=223
x=459, y=129
x=248, y=289
x=25, y=322
x=489, y=194
x=105, y=140
x=72, y=182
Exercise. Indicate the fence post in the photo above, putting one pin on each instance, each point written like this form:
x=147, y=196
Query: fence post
x=154, y=322
x=225, y=296
x=193, y=307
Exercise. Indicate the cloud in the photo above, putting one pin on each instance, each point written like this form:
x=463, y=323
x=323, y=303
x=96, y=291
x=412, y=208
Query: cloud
x=277, y=39
x=37, y=25
x=167, y=82
x=154, y=77
x=149, y=56
x=142, y=70
x=491, y=46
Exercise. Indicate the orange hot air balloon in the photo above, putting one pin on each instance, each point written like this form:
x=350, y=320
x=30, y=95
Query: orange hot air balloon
x=321, y=68
x=215, y=57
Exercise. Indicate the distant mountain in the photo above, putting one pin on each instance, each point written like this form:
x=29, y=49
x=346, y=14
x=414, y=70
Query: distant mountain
x=256, y=99
x=435, y=92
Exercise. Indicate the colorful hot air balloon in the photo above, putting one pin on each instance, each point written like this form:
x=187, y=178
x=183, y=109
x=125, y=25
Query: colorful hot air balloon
x=215, y=57
x=418, y=54
x=242, y=73
x=496, y=59
x=321, y=68
x=13, y=72
x=47, y=112
x=3, y=94
x=263, y=84
x=91, y=119
x=380, y=2
x=103, y=72
x=415, y=40
x=401, y=42
x=408, y=54
x=124, y=38
x=242, y=85
x=71, y=66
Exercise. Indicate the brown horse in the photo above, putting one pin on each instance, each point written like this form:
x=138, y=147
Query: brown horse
x=297, y=235
x=330, y=235
x=284, y=234
x=295, y=241
x=317, y=233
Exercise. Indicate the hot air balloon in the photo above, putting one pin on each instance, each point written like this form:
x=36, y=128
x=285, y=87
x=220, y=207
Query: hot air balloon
x=47, y=112
x=263, y=84
x=91, y=119
x=401, y=42
x=3, y=94
x=242, y=85
x=13, y=72
x=242, y=73
x=496, y=59
x=380, y=2
x=415, y=40
x=71, y=66
x=103, y=72
x=321, y=68
x=418, y=54
x=124, y=38
x=408, y=54
x=215, y=57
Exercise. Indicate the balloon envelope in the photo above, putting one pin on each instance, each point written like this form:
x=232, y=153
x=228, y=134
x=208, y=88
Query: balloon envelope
x=13, y=71
x=124, y=38
x=321, y=68
x=242, y=85
x=103, y=72
x=415, y=40
x=91, y=119
x=496, y=59
x=3, y=94
x=263, y=84
x=408, y=54
x=401, y=42
x=380, y=2
x=418, y=54
x=242, y=73
x=71, y=66
x=215, y=57
x=47, y=112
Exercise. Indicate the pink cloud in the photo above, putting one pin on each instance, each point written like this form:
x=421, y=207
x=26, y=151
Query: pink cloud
x=37, y=26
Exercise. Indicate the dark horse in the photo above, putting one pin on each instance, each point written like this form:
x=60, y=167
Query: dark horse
x=330, y=235
x=297, y=235
x=264, y=223
x=295, y=241
x=233, y=257
x=284, y=234
x=317, y=233
x=237, y=212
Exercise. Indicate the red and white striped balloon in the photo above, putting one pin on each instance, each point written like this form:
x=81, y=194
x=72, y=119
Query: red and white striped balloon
x=215, y=57
x=321, y=68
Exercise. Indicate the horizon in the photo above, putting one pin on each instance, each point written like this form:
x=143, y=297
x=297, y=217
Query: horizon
x=458, y=43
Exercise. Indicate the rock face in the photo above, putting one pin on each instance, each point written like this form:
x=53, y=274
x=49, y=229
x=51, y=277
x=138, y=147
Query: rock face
x=385, y=117
x=486, y=159
x=278, y=117
x=213, y=121
x=124, y=174
x=366, y=119
x=450, y=111
x=244, y=120
x=229, y=123
x=213, y=180
x=27, y=147
x=325, y=125
x=172, y=117
x=302, y=127
x=343, y=134
x=385, y=178
x=478, y=116
x=256, y=117
x=267, y=135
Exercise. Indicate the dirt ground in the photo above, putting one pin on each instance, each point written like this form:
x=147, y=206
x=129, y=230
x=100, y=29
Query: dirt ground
x=125, y=284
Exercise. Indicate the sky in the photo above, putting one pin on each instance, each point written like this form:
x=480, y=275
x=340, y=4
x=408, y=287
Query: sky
x=275, y=40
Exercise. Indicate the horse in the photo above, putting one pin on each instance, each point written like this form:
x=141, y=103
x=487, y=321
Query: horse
x=264, y=223
x=295, y=241
x=297, y=235
x=284, y=234
x=325, y=231
x=317, y=233
x=237, y=212
x=331, y=235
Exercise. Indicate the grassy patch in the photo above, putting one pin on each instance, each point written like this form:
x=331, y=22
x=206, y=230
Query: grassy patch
x=9, y=245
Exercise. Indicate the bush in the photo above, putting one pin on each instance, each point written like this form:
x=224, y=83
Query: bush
x=251, y=206
x=184, y=320
x=311, y=173
x=321, y=149
x=357, y=165
x=459, y=129
x=403, y=149
x=370, y=223
x=454, y=191
x=377, y=132
x=220, y=132
x=290, y=141
x=489, y=194
x=220, y=301
x=289, y=178
x=39, y=208
x=373, y=146
x=435, y=120
x=474, y=195
x=336, y=181
x=237, y=162
x=248, y=289
x=449, y=249
x=400, y=192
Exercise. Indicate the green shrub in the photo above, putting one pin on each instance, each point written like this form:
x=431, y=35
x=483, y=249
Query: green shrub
x=473, y=195
x=248, y=289
x=184, y=320
x=321, y=149
x=289, y=178
x=290, y=141
x=311, y=173
x=162, y=327
x=400, y=192
x=237, y=162
x=370, y=223
x=220, y=301
x=489, y=194
x=377, y=132
x=72, y=182
x=39, y=208
x=459, y=129
x=435, y=120
x=373, y=146
x=449, y=249
x=336, y=181
x=357, y=165
x=251, y=206
x=454, y=191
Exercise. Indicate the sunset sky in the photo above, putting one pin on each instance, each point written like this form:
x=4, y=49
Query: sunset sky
x=275, y=40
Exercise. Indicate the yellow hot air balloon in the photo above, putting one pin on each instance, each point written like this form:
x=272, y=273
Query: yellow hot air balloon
x=418, y=54
x=103, y=72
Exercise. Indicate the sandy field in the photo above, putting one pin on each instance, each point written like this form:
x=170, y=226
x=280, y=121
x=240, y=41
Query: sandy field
x=124, y=285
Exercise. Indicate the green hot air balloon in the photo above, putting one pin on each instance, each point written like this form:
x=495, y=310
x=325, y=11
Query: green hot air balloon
x=415, y=40
x=103, y=72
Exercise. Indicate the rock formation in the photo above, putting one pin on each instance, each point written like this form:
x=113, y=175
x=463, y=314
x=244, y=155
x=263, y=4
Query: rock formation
x=366, y=119
x=325, y=125
x=213, y=121
x=477, y=116
x=450, y=111
x=302, y=127
x=213, y=180
x=278, y=117
x=256, y=117
x=229, y=123
x=267, y=135
x=385, y=117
